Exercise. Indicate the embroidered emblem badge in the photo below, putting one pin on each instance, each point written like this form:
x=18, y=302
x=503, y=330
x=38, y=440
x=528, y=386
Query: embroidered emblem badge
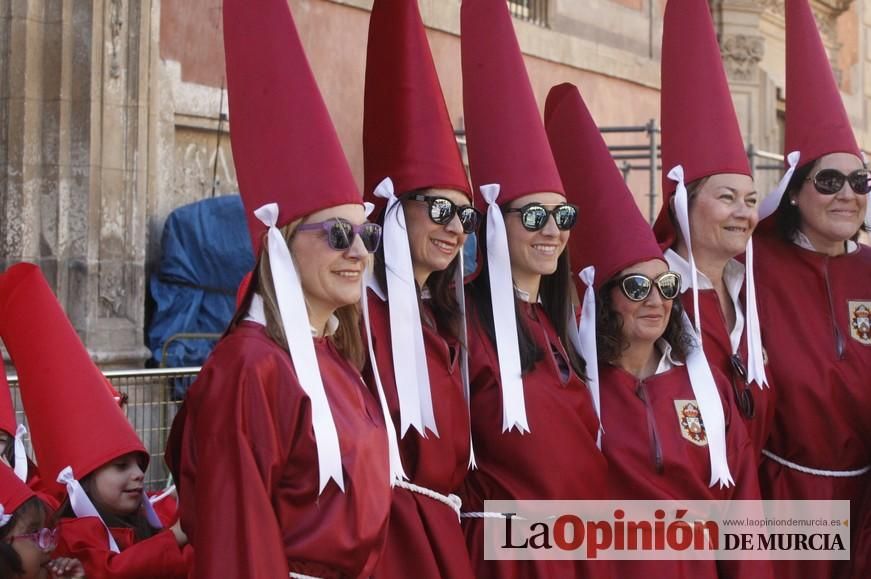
x=860, y=321
x=690, y=420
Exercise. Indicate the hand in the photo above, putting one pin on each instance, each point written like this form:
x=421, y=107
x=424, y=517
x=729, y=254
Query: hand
x=66, y=567
x=180, y=537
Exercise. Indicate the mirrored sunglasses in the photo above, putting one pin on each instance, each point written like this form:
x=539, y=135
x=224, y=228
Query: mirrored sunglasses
x=830, y=181
x=340, y=233
x=442, y=210
x=533, y=216
x=637, y=287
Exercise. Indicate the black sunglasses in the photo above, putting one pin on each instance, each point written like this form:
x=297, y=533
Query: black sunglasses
x=743, y=396
x=637, y=287
x=442, y=210
x=534, y=216
x=341, y=233
x=830, y=181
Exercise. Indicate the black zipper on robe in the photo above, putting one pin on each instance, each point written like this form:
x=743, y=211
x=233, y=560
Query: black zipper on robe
x=653, y=436
x=839, y=337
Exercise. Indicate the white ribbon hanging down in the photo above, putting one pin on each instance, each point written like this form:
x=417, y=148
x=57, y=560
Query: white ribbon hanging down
x=459, y=291
x=504, y=319
x=586, y=343
x=297, y=330
x=150, y=513
x=711, y=408
x=20, y=466
x=681, y=209
x=396, y=470
x=409, y=363
x=4, y=517
x=81, y=503
x=755, y=354
x=772, y=200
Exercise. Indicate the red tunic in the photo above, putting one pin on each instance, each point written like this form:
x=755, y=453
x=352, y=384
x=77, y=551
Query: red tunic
x=245, y=461
x=84, y=538
x=557, y=459
x=807, y=305
x=425, y=538
x=650, y=458
x=718, y=350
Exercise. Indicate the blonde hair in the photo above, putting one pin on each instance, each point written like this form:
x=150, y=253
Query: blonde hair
x=347, y=338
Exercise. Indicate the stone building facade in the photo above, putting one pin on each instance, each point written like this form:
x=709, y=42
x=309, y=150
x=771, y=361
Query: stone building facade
x=113, y=113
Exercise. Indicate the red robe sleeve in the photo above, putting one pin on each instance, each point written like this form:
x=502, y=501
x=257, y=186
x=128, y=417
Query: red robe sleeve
x=158, y=556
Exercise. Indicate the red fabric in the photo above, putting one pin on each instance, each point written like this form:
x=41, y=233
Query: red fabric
x=860, y=552
x=85, y=539
x=13, y=492
x=51, y=495
x=686, y=466
x=718, y=351
x=558, y=459
x=284, y=144
x=696, y=103
x=8, y=423
x=608, y=214
x=245, y=462
x=823, y=414
x=425, y=538
x=166, y=509
x=504, y=133
x=72, y=416
x=407, y=131
x=816, y=120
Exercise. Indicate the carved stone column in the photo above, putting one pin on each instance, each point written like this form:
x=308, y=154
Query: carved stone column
x=76, y=148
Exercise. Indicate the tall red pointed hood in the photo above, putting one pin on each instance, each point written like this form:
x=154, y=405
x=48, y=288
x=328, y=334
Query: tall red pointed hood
x=505, y=135
x=816, y=120
x=13, y=492
x=612, y=234
x=700, y=129
x=73, y=419
x=407, y=131
x=285, y=147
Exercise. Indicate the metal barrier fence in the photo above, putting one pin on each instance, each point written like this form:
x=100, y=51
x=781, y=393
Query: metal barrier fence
x=534, y=11
x=150, y=407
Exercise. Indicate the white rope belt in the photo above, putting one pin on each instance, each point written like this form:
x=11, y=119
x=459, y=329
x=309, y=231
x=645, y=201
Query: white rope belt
x=301, y=576
x=485, y=515
x=816, y=471
x=451, y=500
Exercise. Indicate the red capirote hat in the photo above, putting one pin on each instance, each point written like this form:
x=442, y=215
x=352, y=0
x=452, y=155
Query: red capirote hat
x=13, y=494
x=407, y=131
x=612, y=234
x=74, y=421
x=505, y=135
x=700, y=130
x=816, y=120
x=285, y=147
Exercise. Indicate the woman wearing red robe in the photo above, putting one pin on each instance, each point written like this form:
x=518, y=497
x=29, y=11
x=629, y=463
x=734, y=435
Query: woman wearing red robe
x=719, y=215
x=280, y=451
x=667, y=433
x=814, y=285
x=534, y=424
x=415, y=317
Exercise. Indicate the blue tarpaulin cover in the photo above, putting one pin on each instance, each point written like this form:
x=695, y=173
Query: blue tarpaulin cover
x=206, y=250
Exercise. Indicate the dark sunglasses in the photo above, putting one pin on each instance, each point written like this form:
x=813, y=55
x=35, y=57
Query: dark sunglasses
x=340, y=233
x=743, y=396
x=442, y=210
x=534, y=216
x=637, y=287
x=830, y=181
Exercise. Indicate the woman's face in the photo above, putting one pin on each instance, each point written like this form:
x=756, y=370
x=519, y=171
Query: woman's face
x=433, y=246
x=534, y=253
x=33, y=558
x=644, y=321
x=118, y=486
x=830, y=220
x=330, y=278
x=723, y=215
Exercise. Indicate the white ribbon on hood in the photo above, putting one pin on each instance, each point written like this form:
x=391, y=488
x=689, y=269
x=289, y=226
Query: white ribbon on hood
x=772, y=200
x=459, y=291
x=297, y=330
x=81, y=502
x=701, y=378
x=20, y=454
x=504, y=318
x=584, y=341
x=409, y=354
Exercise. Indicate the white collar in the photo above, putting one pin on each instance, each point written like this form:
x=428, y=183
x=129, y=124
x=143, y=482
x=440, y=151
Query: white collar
x=733, y=274
x=524, y=296
x=802, y=240
x=666, y=361
x=257, y=314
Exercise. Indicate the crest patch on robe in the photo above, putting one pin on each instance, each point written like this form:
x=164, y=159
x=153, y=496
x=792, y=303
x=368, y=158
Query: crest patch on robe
x=690, y=421
x=860, y=321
